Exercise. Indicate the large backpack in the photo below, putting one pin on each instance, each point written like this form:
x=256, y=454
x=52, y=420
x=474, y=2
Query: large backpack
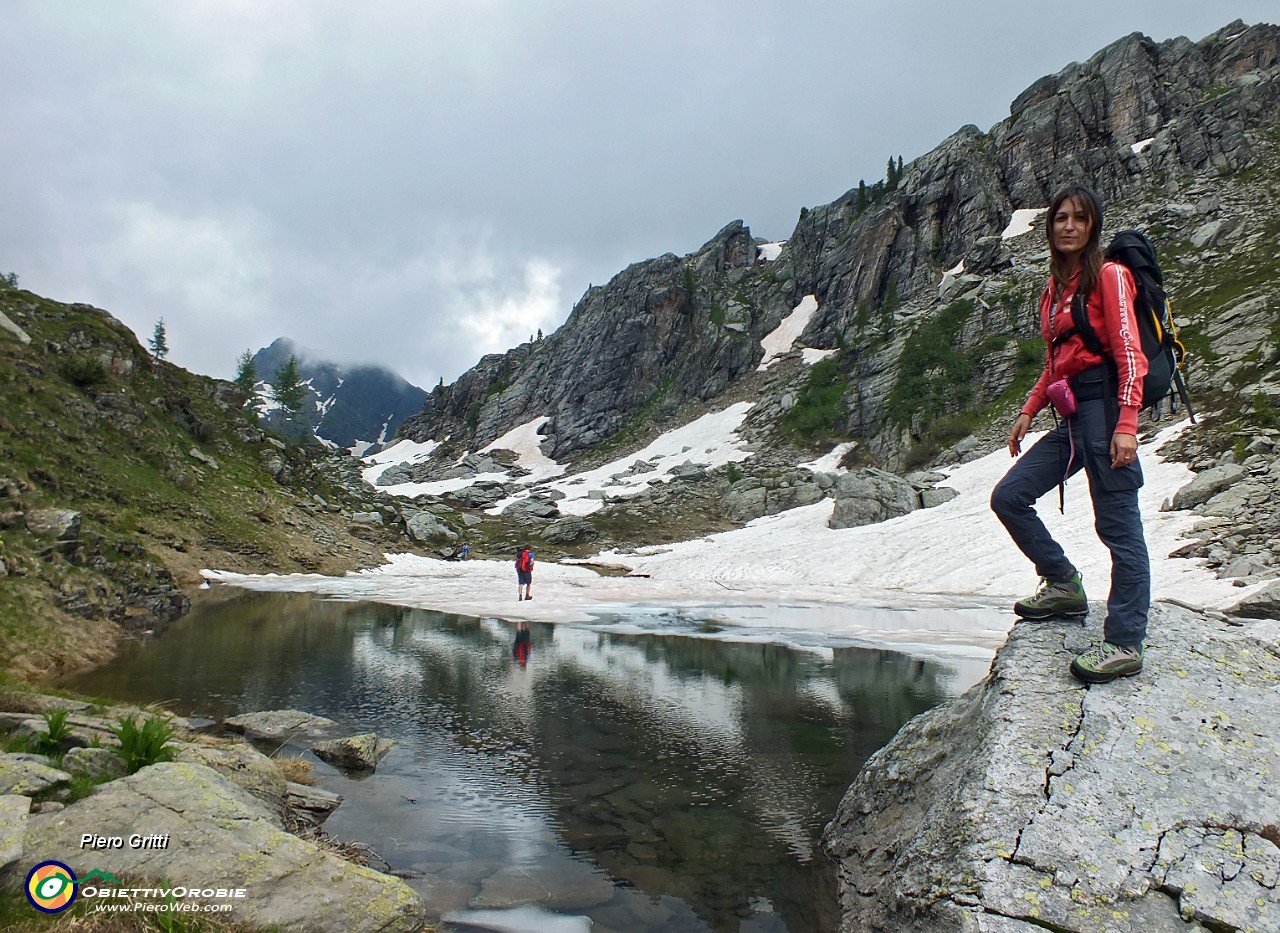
x=1157, y=332
x=523, y=563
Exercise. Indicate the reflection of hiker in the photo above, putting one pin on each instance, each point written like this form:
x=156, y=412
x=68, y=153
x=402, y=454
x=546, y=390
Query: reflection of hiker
x=1099, y=434
x=524, y=572
x=523, y=644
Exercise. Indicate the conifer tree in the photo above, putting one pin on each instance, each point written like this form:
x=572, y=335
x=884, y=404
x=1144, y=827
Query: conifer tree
x=159, y=343
x=891, y=177
x=287, y=389
x=246, y=373
x=862, y=195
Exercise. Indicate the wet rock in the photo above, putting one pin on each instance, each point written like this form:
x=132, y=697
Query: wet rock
x=311, y=805
x=355, y=753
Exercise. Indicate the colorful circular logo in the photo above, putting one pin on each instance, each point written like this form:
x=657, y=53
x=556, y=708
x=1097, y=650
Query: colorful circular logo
x=51, y=887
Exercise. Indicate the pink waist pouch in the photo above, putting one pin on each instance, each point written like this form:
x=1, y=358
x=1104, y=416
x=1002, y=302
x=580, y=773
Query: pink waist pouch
x=1063, y=399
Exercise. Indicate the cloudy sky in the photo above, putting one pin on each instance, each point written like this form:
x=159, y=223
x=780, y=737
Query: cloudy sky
x=419, y=182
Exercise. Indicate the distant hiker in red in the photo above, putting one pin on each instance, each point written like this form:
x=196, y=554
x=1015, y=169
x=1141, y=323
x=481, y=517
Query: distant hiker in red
x=524, y=572
x=523, y=644
x=1098, y=396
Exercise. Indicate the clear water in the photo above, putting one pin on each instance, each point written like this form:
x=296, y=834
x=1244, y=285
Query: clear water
x=615, y=782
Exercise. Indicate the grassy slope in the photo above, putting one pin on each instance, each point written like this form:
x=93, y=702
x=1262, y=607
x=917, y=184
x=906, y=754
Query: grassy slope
x=89, y=422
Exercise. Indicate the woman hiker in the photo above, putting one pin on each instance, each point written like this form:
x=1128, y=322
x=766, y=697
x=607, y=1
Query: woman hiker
x=1100, y=437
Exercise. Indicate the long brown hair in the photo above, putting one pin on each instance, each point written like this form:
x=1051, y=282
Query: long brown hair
x=1091, y=258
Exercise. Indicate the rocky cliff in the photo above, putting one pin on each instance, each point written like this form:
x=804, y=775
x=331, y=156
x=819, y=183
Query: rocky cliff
x=1141, y=121
x=1035, y=803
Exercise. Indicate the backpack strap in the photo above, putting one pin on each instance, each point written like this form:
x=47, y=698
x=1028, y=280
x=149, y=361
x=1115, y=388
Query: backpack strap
x=1080, y=325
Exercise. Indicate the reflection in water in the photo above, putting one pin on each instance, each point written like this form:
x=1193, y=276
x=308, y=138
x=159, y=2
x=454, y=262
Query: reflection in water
x=646, y=782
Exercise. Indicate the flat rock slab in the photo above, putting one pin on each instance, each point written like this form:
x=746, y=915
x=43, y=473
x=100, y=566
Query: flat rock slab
x=220, y=836
x=281, y=725
x=1033, y=802
x=28, y=775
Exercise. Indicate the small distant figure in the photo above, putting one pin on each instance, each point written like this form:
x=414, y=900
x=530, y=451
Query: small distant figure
x=524, y=572
x=460, y=553
x=523, y=644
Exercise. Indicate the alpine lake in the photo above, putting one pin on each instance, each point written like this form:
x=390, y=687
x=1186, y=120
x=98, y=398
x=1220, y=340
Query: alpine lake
x=615, y=781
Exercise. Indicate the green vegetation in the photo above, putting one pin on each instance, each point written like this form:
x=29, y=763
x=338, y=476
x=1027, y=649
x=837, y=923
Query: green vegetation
x=820, y=410
x=55, y=730
x=89, y=422
x=159, y=342
x=246, y=379
x=145, y=745
x=287, y=387
x=935, y=376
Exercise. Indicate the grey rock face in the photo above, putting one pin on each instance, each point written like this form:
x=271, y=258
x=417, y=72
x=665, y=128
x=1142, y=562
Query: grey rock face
x=568, y=531
x=1033, y=801
x=864, y=497
x=424, y=527
x=60, y=524
x=658, y=335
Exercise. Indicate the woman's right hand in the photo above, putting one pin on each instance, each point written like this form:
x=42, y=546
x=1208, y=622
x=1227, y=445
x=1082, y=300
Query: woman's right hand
x=1020, y=429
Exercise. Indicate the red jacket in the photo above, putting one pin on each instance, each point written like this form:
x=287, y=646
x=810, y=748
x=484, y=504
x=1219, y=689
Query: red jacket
x=1112, y=316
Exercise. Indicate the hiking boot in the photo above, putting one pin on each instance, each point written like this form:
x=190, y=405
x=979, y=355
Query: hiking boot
x=1055, y=598
x=1107, y=662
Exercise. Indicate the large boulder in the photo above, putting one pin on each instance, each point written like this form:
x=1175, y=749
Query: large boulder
x=60, y=524
x=864, y=497
x=1033, y=802
x=424, y=527
x=217, y=835
x=1206, y=485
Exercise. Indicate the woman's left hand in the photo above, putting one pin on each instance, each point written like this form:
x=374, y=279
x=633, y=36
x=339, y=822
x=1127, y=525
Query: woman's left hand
x=1124, y=450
